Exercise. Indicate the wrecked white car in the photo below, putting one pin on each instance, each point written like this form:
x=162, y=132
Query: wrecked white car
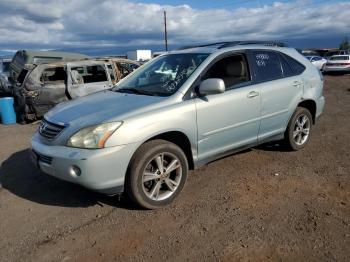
x=45, y=85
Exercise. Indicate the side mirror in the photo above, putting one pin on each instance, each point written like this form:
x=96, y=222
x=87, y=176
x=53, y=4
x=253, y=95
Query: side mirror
x=211, y=86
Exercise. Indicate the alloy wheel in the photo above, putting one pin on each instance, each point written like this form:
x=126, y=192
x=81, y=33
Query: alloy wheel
x=161, y=176
x=301, y=129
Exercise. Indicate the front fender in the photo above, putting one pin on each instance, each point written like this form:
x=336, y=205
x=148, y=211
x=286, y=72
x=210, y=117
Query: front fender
x=180, y=117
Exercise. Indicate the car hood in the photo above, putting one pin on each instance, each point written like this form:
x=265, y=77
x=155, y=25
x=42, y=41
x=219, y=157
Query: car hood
x=100, y=107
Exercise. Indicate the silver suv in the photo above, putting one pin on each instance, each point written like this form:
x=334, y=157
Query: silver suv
x=178, y=112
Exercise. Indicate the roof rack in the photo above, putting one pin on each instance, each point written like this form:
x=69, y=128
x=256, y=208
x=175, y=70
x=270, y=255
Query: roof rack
x=265, y=43
x=235, y=43
x=203, y=45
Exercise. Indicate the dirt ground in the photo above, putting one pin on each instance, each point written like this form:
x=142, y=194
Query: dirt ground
x=264, y=204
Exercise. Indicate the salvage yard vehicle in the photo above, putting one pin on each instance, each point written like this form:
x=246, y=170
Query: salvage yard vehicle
x=144, y=135
x=46, y=85
x=336, y=52
x=338, y=63
x=24, y=60
x=317, y=61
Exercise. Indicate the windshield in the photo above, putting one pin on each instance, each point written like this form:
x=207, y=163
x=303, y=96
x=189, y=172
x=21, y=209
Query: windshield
x=163, y=76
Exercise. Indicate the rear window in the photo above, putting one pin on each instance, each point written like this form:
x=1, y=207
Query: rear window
x=335, y=58
x=268, y=66
x=296, y=67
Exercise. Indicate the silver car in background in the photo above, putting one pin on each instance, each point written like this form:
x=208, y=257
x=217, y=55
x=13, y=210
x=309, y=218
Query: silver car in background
x=317, y=61
x=179, y=112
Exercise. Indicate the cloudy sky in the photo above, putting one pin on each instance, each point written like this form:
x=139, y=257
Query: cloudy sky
x=119, y=25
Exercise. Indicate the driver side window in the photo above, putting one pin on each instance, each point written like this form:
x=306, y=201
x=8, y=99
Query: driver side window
x=233, y=70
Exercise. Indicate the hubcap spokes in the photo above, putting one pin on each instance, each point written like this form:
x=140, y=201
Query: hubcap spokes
x=301, y=130
x=161, y=176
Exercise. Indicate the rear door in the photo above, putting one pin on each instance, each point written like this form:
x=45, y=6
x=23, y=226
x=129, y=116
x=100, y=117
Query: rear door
x=280, y=90
x=87, y=77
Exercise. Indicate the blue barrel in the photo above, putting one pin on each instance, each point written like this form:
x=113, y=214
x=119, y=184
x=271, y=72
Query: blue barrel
x=8, y=115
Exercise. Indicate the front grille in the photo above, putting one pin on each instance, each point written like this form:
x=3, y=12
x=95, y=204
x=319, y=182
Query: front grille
x=43, y=158
x=50, y=130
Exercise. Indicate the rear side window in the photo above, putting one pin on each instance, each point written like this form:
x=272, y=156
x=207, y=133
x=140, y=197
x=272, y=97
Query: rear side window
x=54, y=75
x=88, y=74
x=268, y=66
x=296, y=67
x=286, y=68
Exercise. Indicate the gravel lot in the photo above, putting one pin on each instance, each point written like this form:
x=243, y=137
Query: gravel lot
x=261, y=204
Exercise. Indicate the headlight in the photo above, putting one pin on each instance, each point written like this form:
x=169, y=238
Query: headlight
x=93, y=136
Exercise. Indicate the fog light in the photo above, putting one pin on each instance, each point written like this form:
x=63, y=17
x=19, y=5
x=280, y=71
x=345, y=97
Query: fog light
x=74, y=171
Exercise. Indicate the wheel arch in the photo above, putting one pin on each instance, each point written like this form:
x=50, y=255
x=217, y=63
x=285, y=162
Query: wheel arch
x=311, y=106
x=181, y=140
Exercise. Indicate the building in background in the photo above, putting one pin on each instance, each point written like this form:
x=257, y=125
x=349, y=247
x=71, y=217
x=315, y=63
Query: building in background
x=140, y=55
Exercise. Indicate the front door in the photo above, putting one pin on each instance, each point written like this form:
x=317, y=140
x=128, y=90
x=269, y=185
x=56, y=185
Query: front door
x=229, y=120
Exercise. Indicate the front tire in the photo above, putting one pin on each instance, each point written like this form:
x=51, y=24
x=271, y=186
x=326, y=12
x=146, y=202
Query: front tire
x=298, y=131
x=157, y=174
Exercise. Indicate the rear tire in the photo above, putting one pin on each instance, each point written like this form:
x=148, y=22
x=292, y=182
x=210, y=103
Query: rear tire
x=148, y=185
x=299, y=128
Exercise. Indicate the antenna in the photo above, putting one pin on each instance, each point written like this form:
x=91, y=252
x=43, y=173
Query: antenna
x=165, y=33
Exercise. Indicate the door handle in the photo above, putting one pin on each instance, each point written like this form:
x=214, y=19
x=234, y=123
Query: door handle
x=296, y=83
x=252, y=94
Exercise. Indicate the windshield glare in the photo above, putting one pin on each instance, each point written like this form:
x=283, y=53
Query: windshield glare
x=163, y=76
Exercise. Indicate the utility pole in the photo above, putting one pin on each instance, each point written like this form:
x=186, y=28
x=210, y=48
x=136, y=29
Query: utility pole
x=165, y=33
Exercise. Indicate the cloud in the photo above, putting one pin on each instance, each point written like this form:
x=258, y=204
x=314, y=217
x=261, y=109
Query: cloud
x=74, y=23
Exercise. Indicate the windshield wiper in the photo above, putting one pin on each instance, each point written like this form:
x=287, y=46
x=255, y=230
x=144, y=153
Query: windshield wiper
x=134, y=90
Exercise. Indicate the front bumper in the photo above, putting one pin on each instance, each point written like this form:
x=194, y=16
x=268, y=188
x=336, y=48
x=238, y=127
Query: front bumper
x=102, y=170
